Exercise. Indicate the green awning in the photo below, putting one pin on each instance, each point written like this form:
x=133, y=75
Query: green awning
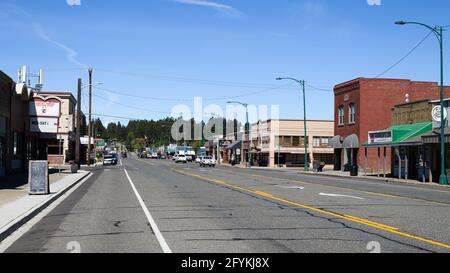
x=399, y=135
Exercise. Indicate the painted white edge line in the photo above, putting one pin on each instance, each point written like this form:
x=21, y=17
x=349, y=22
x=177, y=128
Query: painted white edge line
x=162, y=242
x=16, y=235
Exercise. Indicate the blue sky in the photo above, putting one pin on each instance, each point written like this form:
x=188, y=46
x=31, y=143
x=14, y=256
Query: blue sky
x=178, y=49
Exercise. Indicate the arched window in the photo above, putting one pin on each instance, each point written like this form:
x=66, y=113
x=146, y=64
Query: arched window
x=352, y=113
x=341, y=115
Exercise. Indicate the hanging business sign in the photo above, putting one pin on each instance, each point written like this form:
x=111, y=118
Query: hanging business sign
x=44, y=125
x=380, y=137
x=48, y=108
x=436, y=113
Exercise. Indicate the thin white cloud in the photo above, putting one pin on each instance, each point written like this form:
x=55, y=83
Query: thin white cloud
x=221, y=8
x=71, y=55
x=23, y=19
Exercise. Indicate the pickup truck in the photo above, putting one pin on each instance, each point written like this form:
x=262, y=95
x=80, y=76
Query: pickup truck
x=208, y=161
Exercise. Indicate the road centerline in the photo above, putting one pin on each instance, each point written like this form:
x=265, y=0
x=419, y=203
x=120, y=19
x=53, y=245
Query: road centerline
x=350, y=218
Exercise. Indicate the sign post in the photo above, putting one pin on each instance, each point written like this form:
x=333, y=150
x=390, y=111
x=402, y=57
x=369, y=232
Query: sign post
x=38, y=178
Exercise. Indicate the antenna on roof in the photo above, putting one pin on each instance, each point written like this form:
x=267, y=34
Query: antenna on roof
x=23, y=76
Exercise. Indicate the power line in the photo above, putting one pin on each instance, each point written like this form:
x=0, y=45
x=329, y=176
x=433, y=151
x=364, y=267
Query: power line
x=404, y=57
x=189, y=80
x=131, y=106
x=280, y=87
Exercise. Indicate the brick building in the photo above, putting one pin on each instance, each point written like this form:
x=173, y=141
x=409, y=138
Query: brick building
x=363, y=105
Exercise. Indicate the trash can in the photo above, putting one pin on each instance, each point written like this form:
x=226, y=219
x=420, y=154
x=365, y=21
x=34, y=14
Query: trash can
x=354, y=170
x=73, y=167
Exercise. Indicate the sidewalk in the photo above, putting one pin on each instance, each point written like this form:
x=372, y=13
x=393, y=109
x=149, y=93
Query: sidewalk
x=340, y=174
x=17, y=207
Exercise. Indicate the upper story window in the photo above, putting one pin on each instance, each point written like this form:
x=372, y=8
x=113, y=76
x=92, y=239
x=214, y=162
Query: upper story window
x=341, y=115
x=352, y=113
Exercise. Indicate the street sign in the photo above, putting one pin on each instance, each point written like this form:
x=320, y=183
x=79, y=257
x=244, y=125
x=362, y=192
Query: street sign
x=100, y=143
x=38, y=180
x=436, y=113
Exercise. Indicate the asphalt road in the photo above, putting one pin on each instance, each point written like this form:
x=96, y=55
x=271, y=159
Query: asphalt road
x=157, y=206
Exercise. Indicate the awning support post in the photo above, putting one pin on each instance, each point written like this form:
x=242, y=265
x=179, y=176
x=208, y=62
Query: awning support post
x=384, y=162
x=406, y=166
x=378, y=162
x=397, y=152
x=365, y=161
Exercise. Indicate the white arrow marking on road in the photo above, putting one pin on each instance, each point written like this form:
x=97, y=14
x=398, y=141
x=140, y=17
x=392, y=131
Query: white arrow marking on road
x=290, y=187
x=340, y=195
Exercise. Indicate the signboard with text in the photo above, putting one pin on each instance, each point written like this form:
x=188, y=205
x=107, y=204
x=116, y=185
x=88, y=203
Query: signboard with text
x=44, y=125
x=38, y=180
x=48, y=108
x=380, y=137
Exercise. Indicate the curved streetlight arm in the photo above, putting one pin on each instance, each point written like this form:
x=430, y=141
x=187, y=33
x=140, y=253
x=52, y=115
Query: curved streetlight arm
x=292, y=79
x=433, y=29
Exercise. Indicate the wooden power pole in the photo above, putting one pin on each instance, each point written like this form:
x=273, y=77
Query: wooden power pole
x=90, y=118
x=78, y=126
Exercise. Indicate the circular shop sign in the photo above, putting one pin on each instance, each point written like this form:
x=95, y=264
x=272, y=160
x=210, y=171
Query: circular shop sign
x=436, y=113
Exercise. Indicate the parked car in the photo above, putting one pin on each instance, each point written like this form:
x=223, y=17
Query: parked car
x=199, y=159
x=124, y=155
x=175, y=157
x=208, y=161
x=181, y=159
x=189, y=158
x=154, y=156
x=162, y=157
x=109, y=159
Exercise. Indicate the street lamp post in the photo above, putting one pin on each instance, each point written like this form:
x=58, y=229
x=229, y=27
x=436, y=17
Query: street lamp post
x=438, y=31
x=247, y=125
x=306, y=142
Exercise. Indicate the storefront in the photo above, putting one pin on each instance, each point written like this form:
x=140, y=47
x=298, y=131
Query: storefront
x=409, y=157
x=3, y=122
x=432, y=143
x=52, y=130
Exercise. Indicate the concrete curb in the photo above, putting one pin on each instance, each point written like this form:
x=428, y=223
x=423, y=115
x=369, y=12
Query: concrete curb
x=6, y=231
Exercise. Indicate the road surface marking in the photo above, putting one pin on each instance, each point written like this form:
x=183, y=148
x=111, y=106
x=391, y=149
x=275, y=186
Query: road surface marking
x=16, y=235
x=326, y=212
x=350, y=189
x=290, y=187
x=162, y=242
x=340, y=195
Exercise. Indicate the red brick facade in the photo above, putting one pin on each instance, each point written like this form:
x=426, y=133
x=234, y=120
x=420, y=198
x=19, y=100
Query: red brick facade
x=374, y=99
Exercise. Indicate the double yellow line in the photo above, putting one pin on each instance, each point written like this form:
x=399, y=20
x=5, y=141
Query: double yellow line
x=322, y=211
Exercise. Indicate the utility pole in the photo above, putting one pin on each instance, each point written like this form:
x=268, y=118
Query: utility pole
x=78, y=126
x=90, y=114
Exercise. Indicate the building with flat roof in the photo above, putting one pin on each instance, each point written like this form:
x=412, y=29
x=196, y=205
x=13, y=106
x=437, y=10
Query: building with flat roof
x=52, y=127
x=363, y=105
x=13, y=125
x=281, y=142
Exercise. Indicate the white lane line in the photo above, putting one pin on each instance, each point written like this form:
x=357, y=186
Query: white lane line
x=16, y=235
x=162, y=242
x=120, y=160
x=290, y=187
x=340, y=195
